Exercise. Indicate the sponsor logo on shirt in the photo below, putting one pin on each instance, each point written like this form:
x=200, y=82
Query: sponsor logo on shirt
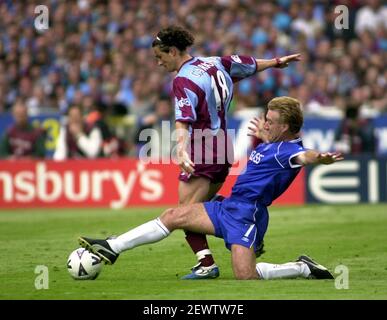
x=183, y=102
x=197, y=72
x=236, y=58
x=256, y=157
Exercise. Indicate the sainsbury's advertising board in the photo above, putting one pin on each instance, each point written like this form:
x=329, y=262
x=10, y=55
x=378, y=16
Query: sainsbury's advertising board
x=128, y=182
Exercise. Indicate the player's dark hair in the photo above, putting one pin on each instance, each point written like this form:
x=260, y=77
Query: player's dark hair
x=173, y=36
x=290, y=112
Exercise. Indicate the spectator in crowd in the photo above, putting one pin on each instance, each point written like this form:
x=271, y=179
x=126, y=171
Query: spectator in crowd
x=112, y=146
x=77, y=139
x=157, y=142
x=355, y=134
x=22, y=140
x=371, y=17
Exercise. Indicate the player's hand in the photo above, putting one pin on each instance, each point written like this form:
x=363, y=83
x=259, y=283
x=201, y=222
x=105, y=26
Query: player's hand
x=185, y=162
x=284, y=61
x=329, y=157
x=256, y=127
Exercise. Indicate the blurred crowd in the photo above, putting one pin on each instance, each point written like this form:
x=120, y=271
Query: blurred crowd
x=98, y=52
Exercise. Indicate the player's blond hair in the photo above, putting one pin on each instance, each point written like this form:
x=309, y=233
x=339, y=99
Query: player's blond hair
x=290, y=112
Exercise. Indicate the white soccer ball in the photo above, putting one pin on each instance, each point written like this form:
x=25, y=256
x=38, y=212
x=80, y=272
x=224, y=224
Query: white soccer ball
x=84, y=265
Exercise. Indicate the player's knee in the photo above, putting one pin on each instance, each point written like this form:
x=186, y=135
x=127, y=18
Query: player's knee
x=243, y=263
x=174, y=218
x=245, y=275
x=244, y=271
x=168, y=218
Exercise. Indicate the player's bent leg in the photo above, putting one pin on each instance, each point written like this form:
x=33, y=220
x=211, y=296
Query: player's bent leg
x=199, y=189
x=304, y=267
x=193, y=218
x=243, y=262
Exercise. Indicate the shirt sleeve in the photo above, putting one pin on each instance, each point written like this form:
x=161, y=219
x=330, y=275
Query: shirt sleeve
x=239, y=67
x=186, y=99
x=286, y=153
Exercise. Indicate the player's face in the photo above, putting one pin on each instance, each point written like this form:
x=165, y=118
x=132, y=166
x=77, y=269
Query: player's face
x=275, y=129
x=165, y=59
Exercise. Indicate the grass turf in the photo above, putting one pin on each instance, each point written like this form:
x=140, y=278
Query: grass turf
x=354, y=236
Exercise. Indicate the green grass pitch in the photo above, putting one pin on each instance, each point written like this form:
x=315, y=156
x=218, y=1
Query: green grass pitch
x=353, y=236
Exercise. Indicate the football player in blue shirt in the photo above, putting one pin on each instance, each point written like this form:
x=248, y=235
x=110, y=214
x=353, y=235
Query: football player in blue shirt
x=241, y=219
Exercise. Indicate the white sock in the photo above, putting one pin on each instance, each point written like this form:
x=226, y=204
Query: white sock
x=289, y=270
x=149, y=232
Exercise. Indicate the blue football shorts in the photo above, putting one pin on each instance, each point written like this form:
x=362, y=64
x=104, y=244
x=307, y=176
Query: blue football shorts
x=238, y=222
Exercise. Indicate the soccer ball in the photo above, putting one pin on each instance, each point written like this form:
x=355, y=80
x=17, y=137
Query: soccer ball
x=84, y=265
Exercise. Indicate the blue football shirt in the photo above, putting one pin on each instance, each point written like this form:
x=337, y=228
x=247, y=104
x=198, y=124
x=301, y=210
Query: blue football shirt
x=269, y=172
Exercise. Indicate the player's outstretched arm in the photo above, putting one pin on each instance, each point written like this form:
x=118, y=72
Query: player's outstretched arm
x=281, y=62
x=315, y=157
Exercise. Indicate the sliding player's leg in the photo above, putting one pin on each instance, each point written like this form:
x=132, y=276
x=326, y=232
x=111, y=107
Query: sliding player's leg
x=304, y=267
x=245, y=267
x=243, y=262
x=192, y=217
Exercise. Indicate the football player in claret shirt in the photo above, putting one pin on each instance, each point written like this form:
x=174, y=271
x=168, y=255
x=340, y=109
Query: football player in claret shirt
x=241, y=219
x=203, y=90
x=22, y=140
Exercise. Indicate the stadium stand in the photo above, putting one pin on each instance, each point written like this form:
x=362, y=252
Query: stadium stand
x=100, y=51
